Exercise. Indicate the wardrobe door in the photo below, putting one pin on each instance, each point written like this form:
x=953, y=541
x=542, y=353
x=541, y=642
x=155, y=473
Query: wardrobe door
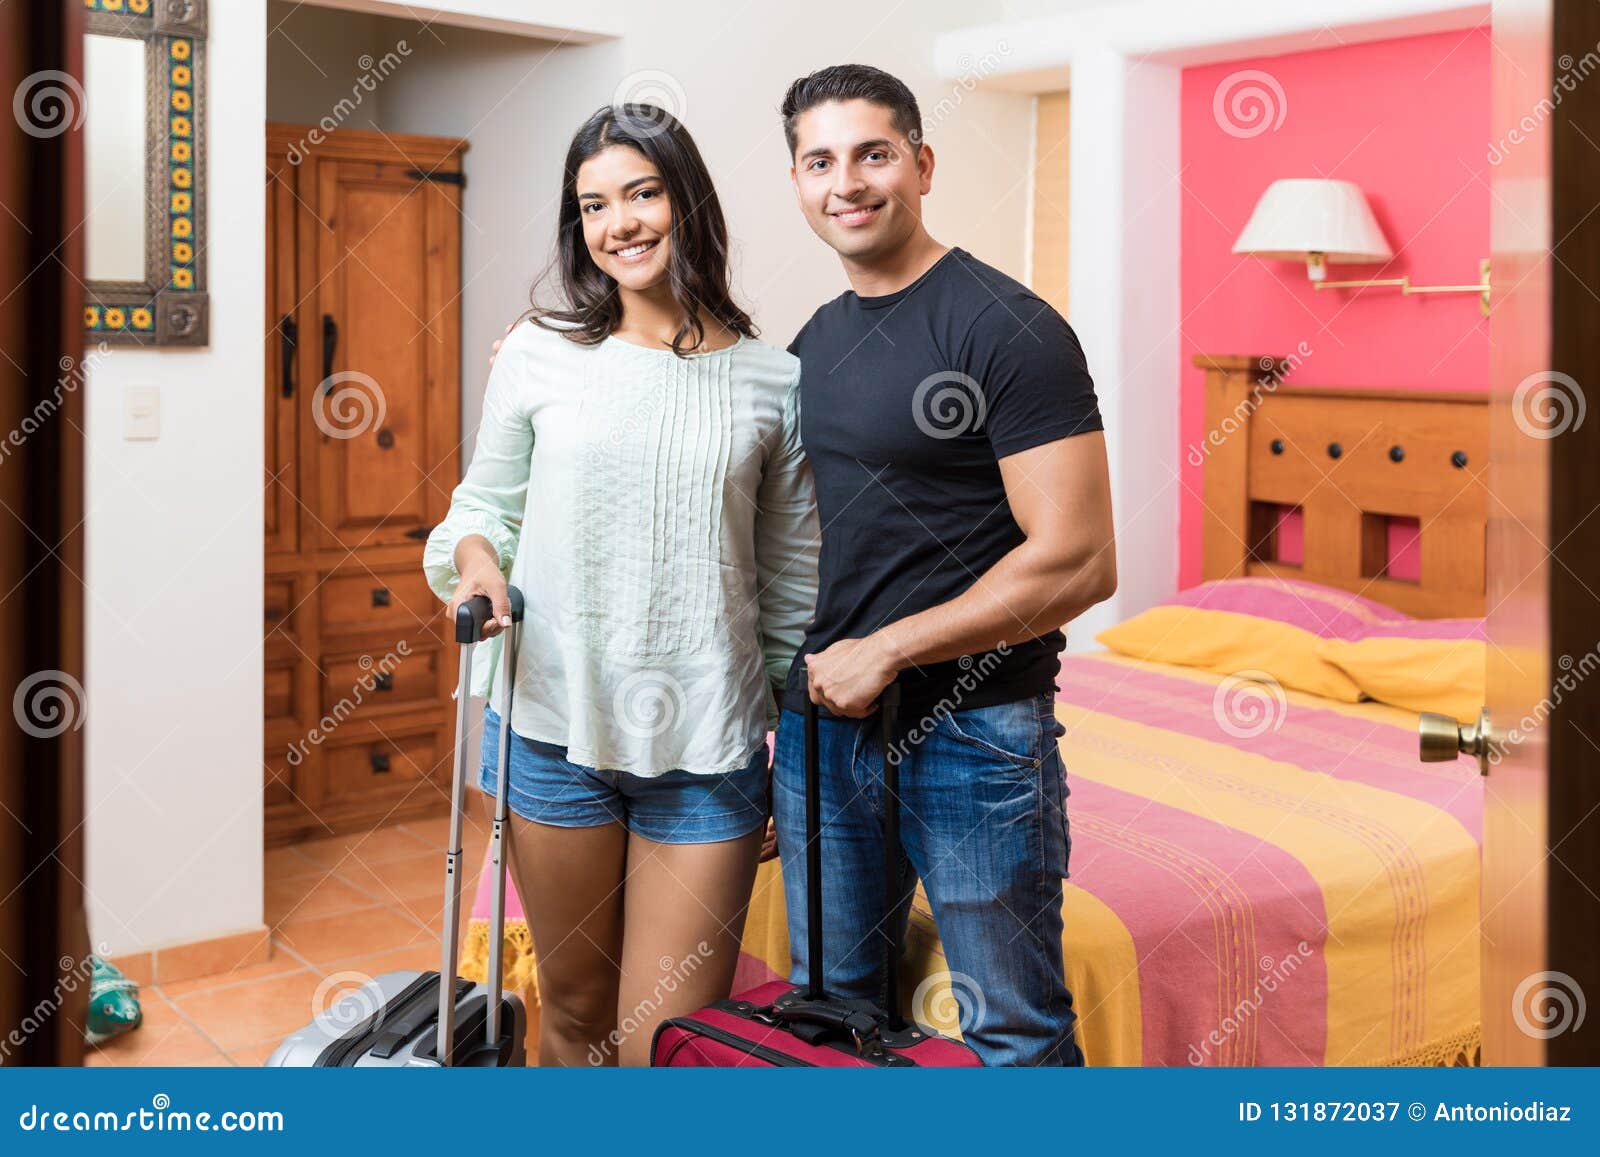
x=282, y=385
x=384, y=413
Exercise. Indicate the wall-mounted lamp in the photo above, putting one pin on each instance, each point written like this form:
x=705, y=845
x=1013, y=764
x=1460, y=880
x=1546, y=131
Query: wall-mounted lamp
x=1325, y=222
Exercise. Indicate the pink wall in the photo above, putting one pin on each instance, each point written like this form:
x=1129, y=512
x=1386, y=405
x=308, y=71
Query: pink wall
x=1408, y=121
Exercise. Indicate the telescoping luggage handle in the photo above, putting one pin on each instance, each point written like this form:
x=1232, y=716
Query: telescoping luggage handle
x=888, y=719
x=470, y=619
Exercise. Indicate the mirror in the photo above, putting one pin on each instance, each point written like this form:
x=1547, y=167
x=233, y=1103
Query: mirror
x=144, y=171
x=114, y=158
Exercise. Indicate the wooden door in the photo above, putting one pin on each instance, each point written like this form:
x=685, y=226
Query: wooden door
x=385, y=407
x=1541, y=862
x=283, y=375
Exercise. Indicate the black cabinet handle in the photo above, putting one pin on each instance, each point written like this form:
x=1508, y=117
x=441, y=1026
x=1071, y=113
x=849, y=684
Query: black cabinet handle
x=380, y=596
x=1335, y=450
x=288, y=335
x=383, y=681
x=419, y=532
x=380, y=763
x=330, y=342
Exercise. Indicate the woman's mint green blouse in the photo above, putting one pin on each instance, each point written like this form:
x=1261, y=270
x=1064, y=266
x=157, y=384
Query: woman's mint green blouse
x=658, y=514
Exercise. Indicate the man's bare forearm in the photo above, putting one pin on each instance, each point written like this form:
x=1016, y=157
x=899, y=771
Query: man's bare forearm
x=1028, y=593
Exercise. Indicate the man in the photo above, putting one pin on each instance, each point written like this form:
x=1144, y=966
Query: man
x=961, y=477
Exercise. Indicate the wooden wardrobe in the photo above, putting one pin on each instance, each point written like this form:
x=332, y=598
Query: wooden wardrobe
x=362, y=396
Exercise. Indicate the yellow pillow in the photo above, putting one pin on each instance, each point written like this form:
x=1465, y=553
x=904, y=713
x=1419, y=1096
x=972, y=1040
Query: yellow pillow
x=1444, y=675
x=1229, y=642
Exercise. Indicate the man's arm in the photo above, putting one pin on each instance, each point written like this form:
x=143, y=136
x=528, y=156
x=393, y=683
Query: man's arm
x=1060, y=495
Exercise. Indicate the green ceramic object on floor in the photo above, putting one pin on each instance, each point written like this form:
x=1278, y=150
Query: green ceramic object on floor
x=113, y=1003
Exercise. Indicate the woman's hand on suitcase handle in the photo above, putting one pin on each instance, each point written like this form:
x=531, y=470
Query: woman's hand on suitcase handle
x=480, y=575
x=769, y=842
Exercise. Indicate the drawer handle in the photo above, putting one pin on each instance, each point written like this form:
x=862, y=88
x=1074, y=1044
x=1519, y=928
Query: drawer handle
x=419, y=532
x=383, y=681
x=380, y=763
x=380, y=596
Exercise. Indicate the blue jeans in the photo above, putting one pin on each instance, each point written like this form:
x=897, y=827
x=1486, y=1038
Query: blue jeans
x=983, y=824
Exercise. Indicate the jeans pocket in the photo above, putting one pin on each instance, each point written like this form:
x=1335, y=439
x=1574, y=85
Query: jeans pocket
x=1008, y=730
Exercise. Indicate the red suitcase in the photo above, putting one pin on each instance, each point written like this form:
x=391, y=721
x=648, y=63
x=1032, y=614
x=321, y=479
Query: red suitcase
x=778, y=1025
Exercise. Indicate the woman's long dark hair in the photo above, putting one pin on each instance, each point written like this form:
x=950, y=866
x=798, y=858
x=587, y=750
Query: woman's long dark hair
x=697, y=263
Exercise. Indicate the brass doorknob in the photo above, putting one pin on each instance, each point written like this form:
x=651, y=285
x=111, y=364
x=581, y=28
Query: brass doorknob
x=1441, y=738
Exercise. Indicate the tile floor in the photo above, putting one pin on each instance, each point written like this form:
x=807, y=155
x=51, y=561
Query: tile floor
x=366, y=903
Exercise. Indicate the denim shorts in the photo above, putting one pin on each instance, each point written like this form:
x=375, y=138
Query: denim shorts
x=677, y=807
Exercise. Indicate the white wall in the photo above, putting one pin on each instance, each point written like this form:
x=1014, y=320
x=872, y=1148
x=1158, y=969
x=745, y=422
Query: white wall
x=174, y=573
x=314, y=61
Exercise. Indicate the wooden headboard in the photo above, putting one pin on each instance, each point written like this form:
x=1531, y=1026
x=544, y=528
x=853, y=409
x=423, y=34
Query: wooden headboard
x=1350, y=459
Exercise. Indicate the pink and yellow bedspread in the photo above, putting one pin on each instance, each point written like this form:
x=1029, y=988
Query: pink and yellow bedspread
x=1259, y=877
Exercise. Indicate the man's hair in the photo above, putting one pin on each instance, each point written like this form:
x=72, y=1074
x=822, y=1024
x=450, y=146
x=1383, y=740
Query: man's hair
x=853, y=82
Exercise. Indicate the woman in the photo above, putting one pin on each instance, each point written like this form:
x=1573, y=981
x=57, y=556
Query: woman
x=638, y=474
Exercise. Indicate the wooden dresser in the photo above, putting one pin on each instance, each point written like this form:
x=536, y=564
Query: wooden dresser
x=362, y=398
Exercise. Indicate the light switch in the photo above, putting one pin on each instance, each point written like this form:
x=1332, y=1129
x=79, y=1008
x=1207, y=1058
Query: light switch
x=141, y=413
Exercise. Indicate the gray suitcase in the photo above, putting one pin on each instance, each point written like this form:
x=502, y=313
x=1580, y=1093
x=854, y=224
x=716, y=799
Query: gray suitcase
x=396, y=1020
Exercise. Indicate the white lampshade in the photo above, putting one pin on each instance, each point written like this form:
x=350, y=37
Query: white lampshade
x=1301, y=216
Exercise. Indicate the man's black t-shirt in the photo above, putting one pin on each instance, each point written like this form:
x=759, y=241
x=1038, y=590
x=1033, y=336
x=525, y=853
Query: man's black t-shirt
x=907, y=403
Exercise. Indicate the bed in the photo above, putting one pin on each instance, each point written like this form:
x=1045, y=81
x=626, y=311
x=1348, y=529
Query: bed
x=1299, y=891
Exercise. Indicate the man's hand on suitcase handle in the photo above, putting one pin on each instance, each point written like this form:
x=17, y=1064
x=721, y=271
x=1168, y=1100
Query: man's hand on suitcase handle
x=848, y=677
